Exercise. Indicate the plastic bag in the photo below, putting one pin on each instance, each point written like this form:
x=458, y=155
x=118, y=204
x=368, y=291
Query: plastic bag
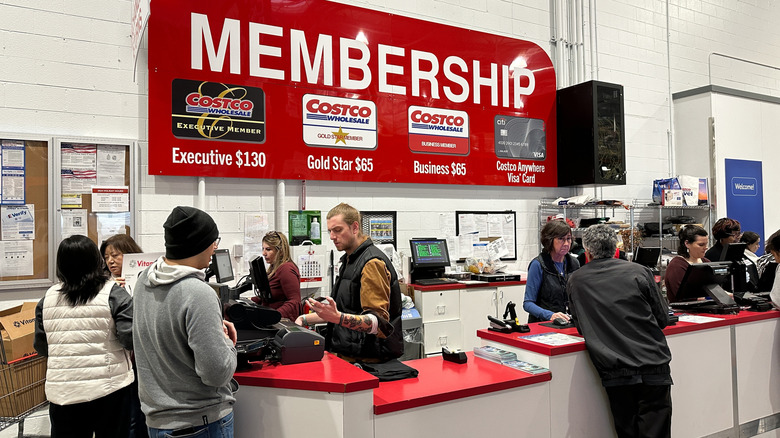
x=475, y=265
x=690, y=188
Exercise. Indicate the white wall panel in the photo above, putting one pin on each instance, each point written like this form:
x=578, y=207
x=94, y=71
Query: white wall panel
x=66, y=69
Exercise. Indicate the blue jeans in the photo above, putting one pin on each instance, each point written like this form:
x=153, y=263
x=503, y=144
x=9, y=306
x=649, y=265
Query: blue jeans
x=222, y=428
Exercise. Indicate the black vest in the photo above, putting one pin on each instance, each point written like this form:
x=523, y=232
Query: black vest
x=346, y=293
x=552, y=290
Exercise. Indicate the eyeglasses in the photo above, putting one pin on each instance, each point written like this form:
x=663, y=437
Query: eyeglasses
x=216, y=242
x=564, y=239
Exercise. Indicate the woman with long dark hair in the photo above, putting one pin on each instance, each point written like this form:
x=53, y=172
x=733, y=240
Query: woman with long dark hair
x=83, y=325
x=691, y=250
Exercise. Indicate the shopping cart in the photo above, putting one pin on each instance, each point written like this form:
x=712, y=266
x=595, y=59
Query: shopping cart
x=21, y=390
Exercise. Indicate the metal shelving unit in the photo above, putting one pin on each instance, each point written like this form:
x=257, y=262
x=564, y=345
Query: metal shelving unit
x=576, y=213
x=645, y=211
x=640, y=211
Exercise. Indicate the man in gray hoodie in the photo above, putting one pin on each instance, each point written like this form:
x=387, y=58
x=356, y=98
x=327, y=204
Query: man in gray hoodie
x=185, y=353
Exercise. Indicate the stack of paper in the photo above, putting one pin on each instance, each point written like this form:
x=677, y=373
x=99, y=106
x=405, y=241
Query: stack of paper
x=525, y=366
x=495, y=354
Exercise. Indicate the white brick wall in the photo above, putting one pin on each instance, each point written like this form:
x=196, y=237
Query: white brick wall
x=66, y=69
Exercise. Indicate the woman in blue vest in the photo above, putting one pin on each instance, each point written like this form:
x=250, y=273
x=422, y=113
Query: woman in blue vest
x=545, y=289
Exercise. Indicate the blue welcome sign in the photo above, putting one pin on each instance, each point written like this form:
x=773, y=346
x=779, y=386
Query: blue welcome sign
x=745, y=196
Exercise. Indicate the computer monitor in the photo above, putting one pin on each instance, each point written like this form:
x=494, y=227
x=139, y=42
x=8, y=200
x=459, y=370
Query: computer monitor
x=647, y=256
x=733, y=252
x=220, y=265
x=260, y=278
x=705, y=280
x=429, y=253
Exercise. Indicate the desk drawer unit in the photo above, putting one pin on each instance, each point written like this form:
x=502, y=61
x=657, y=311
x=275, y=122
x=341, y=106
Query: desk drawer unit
x=441, y=305
x=442, y=334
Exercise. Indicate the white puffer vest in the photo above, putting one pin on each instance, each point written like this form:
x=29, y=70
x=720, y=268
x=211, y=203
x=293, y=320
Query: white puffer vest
x=86, y=361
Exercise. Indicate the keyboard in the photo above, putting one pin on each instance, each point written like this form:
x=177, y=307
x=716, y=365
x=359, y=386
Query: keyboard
x=435, y=281
x=691, y=304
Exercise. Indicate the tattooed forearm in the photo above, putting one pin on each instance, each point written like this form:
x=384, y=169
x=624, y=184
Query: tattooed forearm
x=361, y=323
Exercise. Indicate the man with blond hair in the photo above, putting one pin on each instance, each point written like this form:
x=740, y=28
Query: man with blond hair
x=364, y=310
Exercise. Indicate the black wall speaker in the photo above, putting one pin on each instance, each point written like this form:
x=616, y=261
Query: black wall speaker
x=591, y=134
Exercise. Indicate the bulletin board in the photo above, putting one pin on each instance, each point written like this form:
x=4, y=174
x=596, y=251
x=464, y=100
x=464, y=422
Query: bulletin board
x=94, y=195
x=38, y=198
x=488, y=224
x=25, y=193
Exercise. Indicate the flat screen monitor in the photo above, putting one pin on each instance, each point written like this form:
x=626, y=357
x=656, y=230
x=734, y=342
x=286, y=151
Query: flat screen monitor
x=221, y=266
x=733, y=252
x=260, y=278
x=705, y=280
x=647, y=256
x=429, y=253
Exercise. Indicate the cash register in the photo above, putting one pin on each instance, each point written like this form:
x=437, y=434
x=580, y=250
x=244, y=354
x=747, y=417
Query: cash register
x=744, y=281
x=262, y=333
x=701, y=289
x=429, y=258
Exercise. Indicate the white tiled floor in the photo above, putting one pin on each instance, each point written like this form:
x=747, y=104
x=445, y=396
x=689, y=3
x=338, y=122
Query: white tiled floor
x=35, y=425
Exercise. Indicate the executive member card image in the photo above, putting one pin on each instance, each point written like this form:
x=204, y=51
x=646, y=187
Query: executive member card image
x=216, y=111
x=520, y=138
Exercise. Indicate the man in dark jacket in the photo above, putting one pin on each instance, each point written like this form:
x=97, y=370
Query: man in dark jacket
x=620, y=312
x=364, y=310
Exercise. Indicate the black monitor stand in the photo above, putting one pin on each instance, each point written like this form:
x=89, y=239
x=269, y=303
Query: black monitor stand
x=421, y=273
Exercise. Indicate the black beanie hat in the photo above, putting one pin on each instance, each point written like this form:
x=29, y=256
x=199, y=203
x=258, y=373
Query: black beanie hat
x=188, y=231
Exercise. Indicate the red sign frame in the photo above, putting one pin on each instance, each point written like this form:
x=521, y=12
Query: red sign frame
x=365, y=70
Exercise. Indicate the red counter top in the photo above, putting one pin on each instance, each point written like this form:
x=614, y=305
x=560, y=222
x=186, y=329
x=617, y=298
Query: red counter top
x=515, y=339
x=330, y=374
x=744, y=316
x=440, y=381
x=465, y=286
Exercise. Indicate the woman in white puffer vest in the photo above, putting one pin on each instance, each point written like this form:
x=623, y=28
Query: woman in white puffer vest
x=84, y=326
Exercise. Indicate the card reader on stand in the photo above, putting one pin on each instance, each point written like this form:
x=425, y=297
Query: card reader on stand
x=508, y=325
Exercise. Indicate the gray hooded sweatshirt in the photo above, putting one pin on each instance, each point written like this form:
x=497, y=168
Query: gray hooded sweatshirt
x=183, y=358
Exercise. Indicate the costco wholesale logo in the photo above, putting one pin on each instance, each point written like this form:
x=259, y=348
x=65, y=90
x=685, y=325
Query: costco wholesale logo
x=439, y=131
x=339, y=122
x=213, y=110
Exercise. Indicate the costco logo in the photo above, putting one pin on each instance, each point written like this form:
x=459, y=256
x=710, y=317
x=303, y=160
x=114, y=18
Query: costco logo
x=438, y=131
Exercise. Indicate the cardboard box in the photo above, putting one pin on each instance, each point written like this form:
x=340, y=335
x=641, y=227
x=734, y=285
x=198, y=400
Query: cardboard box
x=22, y=386
x=17, y=331
x=673, y=197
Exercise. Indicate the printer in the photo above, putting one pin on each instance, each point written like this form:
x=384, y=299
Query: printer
x=264, y=335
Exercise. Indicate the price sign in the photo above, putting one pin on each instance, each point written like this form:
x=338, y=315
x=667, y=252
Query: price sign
x=248, y=89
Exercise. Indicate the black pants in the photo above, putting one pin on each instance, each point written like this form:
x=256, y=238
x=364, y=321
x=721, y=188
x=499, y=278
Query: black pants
x=641, y=410
x=137, y=418
x=106, y=417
